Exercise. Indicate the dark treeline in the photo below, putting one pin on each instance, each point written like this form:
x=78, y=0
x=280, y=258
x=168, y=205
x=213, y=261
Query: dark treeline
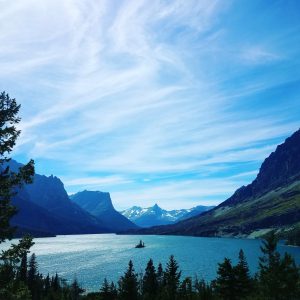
x=277, y=278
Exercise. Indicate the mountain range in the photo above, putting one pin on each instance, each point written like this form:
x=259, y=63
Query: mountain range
x=270, y=202
x=44, y=208
x=154, y=216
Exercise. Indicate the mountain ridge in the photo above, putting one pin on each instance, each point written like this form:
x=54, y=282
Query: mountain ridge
x=44, y=207
x=155, y=215
x=270, y=202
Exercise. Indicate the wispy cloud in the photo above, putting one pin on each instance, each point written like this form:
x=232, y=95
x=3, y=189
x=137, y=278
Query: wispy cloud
x=166, y=101
x=258, y=55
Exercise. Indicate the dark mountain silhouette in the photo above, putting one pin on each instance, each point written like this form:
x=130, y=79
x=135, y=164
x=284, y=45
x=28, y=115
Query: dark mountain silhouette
x=100, y=206
x=44, y=207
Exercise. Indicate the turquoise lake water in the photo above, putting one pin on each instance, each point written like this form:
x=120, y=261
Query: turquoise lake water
x=91, y=258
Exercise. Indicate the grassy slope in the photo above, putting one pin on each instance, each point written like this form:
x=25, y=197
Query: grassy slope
x=276, y=209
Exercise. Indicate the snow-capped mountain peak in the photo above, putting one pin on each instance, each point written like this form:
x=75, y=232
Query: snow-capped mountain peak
x=155, y=215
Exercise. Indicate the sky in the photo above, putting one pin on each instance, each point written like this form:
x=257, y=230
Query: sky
x=169, y=102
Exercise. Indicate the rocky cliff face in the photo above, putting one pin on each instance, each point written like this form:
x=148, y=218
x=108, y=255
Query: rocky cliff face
x=45, y=207
x=271, y=201
x=99, y=205
x=279, y=169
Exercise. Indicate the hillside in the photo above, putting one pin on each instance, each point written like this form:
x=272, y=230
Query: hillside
x=270, y=202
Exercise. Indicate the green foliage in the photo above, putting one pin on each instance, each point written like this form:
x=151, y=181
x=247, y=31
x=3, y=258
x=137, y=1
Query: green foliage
x=128, y=284
x=278, y=277
x=150, y=283
x=242, y=278
x=225, y=282
x=171, y=279
x=10, y=181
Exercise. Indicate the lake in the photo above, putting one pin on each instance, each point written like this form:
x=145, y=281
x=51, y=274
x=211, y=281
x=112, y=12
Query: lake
x=91, y=258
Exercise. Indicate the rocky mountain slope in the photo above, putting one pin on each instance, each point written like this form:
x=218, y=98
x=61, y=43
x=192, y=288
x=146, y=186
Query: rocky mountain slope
x=45, y=209
x=99, y=205
x=154, y=216
x=270, y=202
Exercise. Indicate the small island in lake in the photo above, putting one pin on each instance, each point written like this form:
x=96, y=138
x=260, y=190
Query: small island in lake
x=141, y=244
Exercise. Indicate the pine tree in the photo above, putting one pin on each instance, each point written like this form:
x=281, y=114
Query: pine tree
x=225, y=282
x=128, y=284
x=289, y=278
x=55, y=283
x=279, y=278
x=23, y=268
x=32, y=276
x=243, y=281
x=9, y=182
x=76, y=290
x=186, y=289
x=108, y=291
x=114, y=291
x=269, y=266
x=160, y=274
x=47, y=284
x=150, y=283
x=172, y=278
x=204, y=290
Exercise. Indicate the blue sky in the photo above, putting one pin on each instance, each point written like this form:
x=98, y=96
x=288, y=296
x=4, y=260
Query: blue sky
x=174, y=102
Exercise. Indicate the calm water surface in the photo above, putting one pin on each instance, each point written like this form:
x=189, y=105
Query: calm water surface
x=91, y=258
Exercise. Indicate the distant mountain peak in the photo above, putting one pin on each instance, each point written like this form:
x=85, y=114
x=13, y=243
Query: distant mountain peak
x=156, y=208
x=155, y=215
x=93, y=200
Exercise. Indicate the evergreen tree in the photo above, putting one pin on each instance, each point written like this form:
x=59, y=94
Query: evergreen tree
x=160, y=274
x=114, y=291
x=47, y=284
x=23, y=268
x=225, y=282
x=269, y=266
x=279, y=278
x=204, y=290
x=105, y=288
x=108, y=291
x=76, y=290
x=172, y=278
x=9, y=182
x=150, y=283
x=33, y=276
x=243, y=281
x=289, y=278
x=186, y=289
x=55, y=283
x=128, y=284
